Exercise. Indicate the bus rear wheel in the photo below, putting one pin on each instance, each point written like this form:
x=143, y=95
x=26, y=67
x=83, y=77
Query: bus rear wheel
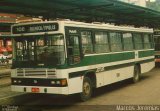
x=86, y=89
x=136, y=76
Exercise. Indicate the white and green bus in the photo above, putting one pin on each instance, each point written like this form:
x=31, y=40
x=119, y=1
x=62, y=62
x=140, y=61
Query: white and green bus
x=68, y=57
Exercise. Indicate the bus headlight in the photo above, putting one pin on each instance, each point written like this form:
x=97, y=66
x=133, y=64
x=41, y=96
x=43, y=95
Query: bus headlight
x=15, y=81
x=58, y=82
x=19, y=81
x=61, y=82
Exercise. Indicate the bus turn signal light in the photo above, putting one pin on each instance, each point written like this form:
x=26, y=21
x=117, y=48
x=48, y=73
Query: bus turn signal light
x=63, y=82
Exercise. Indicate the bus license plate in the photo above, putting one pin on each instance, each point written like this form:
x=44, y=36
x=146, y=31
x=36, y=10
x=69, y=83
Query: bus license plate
x=35, y=90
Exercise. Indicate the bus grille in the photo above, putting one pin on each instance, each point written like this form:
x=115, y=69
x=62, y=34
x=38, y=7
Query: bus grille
x=36, y=72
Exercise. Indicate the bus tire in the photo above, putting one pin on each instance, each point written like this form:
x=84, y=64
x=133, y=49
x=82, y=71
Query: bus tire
x=136, y=75
x=86, y=89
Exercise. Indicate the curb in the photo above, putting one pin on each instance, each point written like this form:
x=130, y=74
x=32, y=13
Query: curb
x=5, y=81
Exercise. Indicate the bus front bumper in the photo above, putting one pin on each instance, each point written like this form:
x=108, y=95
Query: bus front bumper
x=40, y=89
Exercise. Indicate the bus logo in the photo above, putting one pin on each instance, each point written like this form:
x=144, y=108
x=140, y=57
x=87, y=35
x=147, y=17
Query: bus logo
x=73, y=31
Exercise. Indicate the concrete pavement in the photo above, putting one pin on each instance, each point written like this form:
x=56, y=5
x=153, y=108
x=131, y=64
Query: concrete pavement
x=5, y=74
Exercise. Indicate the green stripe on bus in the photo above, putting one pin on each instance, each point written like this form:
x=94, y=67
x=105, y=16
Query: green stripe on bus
x=146, y=53
x=105, y=58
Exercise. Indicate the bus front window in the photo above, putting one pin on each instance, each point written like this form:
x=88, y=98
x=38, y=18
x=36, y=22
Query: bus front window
x=50, y=50
x=46, y=50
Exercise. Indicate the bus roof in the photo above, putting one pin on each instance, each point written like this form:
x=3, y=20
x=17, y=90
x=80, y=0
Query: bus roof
x=90, y=25
x=107, y=26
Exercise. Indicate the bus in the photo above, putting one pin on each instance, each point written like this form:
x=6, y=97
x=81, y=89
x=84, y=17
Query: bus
x=157, y=47
x=70, y=57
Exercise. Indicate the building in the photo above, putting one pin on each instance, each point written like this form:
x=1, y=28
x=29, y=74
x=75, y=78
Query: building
x=5, y=21
x=136, y=2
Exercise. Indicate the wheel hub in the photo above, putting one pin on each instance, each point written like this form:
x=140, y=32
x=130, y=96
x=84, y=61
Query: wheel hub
x=86, y=88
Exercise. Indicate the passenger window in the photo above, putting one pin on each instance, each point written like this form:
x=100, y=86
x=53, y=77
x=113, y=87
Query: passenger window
x=102, y=44
x=127, y=41
x=87, y=45
x=115, y=41
x=147, y=41
x=138, y=41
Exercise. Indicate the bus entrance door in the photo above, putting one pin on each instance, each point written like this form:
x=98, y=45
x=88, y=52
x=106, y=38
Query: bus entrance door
x=74, y=49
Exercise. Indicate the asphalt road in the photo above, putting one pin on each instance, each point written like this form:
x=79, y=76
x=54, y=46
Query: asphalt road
x=145, y=92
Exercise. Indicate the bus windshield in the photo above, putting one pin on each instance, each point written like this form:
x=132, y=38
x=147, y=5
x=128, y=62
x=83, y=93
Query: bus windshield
x=44, y=50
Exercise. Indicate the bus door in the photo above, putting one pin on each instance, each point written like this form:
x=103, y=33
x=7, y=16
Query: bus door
x=74, y=55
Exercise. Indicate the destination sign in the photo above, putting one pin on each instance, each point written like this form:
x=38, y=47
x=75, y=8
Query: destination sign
x=34, y=28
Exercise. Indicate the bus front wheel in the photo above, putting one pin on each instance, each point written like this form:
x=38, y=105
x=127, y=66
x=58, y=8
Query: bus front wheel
x=136, y=76
x=86, y=89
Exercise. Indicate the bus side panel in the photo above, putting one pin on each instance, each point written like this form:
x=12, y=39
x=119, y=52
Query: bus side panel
x=147, y=66
x=100, y=79
x=115, y=75
x=75, y=85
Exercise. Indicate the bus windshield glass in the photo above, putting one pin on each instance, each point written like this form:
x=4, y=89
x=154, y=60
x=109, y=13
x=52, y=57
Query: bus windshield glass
x=44, y=50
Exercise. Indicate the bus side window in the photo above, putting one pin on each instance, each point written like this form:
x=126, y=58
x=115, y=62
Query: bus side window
x=101, y=42
x=115, y=41
x=147, y=41
x=87, y=45
x=137, y=37
x=127, y=41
